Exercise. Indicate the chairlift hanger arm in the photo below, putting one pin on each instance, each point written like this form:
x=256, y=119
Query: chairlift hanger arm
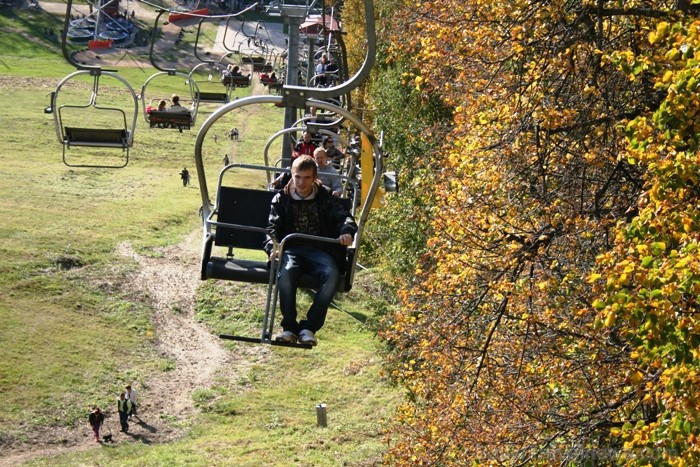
x=223, y=40
x=196, y=42
x=295, y=93
x=154, y=34
x=64, y=41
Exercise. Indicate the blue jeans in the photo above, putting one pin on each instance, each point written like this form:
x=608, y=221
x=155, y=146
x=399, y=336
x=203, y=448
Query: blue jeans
x=124, y=420
x=314, y=263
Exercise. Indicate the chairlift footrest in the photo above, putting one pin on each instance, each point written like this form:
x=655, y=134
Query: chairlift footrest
x=257, y=340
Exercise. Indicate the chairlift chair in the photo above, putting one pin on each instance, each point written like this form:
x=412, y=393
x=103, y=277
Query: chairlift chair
x=238, y=219
x=242, y=81
x=117, y=132
x=180, y=83
x=212, y=97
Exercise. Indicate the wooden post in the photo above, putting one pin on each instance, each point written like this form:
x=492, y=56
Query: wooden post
x=321, y=416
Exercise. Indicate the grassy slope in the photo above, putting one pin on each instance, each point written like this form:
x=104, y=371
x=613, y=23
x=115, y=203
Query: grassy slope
x=67, y=343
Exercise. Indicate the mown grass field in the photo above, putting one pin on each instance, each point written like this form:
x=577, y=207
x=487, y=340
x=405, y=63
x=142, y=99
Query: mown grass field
x=69, y=342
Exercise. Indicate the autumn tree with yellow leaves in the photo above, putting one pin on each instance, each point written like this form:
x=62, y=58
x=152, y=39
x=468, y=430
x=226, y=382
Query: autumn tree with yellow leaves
x=552, y=317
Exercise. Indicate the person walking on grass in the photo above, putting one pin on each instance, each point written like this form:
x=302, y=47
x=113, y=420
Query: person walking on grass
x=131, y=395
x=305, y=206
x=96, y=419
x=123, y=407
x=185, y=176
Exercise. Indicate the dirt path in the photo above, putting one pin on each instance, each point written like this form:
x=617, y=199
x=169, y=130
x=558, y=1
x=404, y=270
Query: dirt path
x=169, y=282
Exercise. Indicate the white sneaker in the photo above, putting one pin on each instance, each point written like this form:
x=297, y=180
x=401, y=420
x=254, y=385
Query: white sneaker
x=286, y=336
x=307, y=337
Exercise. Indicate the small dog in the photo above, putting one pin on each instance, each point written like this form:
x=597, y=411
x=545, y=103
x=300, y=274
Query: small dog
x=108, y=438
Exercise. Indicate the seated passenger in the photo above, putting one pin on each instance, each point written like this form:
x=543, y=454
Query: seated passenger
x=327, y=173
x=162, y=105
x=176, y=107
x=304, y=147
x=281, y=181
x=321, y=70
x=334, y=154
x=231, y=72
x=332, y=72
x=306, y=208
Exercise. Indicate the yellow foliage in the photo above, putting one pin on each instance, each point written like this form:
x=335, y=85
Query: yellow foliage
x=561, y=267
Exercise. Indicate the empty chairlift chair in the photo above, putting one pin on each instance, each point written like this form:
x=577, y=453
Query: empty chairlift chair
x=209, y=95
x=90, y=123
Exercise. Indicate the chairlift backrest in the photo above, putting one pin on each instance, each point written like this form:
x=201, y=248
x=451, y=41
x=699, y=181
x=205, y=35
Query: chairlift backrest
x=212, y=97
x=245, y=207
x=166, y=119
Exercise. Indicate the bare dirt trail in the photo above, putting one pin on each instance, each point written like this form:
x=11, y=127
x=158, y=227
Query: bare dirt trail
x=168, y=285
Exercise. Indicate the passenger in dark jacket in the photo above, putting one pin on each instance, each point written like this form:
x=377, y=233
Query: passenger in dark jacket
x=305, y=206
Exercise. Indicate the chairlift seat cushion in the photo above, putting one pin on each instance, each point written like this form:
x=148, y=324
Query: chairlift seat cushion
x=96, y=137
x=216, y=97
x=240, y=270
x=257, y=272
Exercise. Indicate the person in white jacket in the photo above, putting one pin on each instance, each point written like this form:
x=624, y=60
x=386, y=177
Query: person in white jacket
x=131, y=395
x=327, y=173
